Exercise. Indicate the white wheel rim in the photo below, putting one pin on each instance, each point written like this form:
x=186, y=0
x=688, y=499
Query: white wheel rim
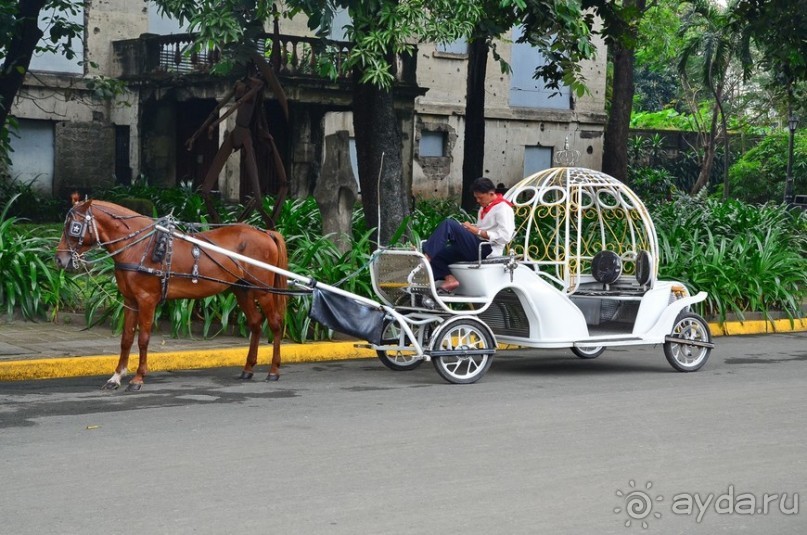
x=463, y=337
x=588, y=350
x=687, y=355
x=397, y=357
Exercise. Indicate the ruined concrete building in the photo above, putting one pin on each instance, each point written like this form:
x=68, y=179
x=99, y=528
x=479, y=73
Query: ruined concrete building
x=69, y=139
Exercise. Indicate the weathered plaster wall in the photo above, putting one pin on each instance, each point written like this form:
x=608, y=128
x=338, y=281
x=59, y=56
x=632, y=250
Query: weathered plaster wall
x=86, y=156
x=112, y=20
x=508, y=130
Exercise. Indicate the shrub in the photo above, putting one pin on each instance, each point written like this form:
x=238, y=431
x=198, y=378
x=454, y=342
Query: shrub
x=29, y=278
x=652, y=185
x=747, y=258
x=759, y=175
x=29, y=204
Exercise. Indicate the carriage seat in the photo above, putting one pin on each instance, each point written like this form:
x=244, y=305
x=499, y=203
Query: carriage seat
x=481, y=276
x=489, y=260
x=606, y=269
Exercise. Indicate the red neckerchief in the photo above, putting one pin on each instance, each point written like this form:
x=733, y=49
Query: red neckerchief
x=496, y=200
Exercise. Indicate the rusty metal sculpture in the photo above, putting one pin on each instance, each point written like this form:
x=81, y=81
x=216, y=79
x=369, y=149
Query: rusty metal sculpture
x=251, y=126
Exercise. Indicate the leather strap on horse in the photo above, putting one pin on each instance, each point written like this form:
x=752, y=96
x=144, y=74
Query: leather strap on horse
x=140, y=268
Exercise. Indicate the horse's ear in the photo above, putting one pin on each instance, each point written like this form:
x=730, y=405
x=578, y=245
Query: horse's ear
x=75, y=198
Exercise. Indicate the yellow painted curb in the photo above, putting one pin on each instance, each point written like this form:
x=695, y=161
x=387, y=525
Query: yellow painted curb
x=82, y=366
x=732, y=328
x=21, y=370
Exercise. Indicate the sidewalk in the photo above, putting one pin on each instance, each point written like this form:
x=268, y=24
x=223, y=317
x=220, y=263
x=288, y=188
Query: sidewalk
x=43, y=350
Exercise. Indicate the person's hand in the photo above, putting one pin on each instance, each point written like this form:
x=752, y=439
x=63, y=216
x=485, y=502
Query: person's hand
x=473, y=229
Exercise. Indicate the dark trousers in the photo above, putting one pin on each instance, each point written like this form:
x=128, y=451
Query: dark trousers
x=451, y=243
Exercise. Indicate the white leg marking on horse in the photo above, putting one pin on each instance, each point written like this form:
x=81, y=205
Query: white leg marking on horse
x=116, y=377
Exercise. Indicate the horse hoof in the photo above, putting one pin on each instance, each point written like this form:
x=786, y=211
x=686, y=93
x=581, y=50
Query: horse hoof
x=110, y=385
x=272, y=377
x=245, y=376
x=134, y=387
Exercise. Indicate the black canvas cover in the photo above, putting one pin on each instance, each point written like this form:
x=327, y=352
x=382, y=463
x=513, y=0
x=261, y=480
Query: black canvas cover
x=347, y=316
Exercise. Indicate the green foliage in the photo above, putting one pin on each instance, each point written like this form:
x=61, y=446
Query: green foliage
x=652, y=185
x=747, y=258
x=666, y=119
x=29, y=280
x=777, y=28
x=656, y=159
x=759, y=175
x=29, y=204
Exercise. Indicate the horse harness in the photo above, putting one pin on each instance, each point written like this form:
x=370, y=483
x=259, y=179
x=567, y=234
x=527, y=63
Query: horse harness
x=161, y=246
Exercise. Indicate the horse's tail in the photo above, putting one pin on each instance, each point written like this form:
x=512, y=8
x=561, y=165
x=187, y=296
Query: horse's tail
x=283, y=263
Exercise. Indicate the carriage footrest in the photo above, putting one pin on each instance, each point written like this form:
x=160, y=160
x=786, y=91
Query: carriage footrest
x=687, y=341
x=461, y=353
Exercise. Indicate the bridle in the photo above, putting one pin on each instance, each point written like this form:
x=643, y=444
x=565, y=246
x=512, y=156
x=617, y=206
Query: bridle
x=78, y=224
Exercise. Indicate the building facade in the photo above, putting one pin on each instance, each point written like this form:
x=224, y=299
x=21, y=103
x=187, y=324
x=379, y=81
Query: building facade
x=69, y=139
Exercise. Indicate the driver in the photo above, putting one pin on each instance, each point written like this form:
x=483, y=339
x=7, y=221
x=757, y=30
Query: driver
x=453, y=241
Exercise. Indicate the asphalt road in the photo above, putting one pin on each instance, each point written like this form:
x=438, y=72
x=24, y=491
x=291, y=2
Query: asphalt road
x=545, y=443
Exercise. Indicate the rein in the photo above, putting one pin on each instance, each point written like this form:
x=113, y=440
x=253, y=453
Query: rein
x=77, y=229
x=161, y=246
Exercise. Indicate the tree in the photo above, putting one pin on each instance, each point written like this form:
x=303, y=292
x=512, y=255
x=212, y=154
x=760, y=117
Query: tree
x=621, y=32
x=20, y=37
x=558, y=30
x=777, y=29
x=380, y=30
x=656, y=79
x=711, y=44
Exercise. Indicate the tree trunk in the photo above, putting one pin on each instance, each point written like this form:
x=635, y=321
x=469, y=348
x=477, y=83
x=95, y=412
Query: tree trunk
x=378, y=134
x=708, y=155
x=615, y=144
x=473, y=158
x=18, y=56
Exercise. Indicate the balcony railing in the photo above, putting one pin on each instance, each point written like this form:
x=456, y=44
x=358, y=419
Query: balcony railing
x=293, y=56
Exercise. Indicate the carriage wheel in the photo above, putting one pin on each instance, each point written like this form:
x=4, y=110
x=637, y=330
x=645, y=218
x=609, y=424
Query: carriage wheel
x=462, y=334
x=685, y=357
x=588, y=352
x=398, y=360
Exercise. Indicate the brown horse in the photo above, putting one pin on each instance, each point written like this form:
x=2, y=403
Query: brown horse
x=151, y=266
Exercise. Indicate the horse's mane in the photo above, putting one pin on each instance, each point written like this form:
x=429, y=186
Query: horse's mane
x=115, y=209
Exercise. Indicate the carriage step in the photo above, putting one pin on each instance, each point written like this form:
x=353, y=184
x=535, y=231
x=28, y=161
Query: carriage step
x=462, y=353
x=687, y=341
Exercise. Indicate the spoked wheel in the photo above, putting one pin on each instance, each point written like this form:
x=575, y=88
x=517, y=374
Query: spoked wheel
x=462, y=350
x=688, y=357
x=398, y=360
x=588, y=352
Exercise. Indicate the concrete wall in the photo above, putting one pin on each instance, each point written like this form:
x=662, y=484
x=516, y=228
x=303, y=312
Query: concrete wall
x=86, y=156
x=64, y=98
x=112, y=20
x=508, y=129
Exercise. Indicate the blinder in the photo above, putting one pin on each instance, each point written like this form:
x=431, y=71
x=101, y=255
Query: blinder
x=76, y=229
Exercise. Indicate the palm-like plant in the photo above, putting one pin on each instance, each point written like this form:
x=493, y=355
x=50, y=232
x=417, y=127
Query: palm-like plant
x=711, y=47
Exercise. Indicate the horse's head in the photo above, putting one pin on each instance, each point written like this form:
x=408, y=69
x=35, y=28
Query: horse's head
x=79, y=234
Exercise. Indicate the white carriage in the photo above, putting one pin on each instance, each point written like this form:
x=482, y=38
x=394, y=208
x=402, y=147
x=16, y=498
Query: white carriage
x=581, y=273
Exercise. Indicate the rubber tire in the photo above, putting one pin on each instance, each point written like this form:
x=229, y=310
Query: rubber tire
x=462, y=328
x=396, y=362
x=692, y=326
x=587, y=354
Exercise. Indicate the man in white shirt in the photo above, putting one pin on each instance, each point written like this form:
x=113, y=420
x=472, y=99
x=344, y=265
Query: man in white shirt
x=453, y=241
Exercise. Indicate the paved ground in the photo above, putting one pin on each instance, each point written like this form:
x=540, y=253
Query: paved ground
x=42, y=350
x=545, y=443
